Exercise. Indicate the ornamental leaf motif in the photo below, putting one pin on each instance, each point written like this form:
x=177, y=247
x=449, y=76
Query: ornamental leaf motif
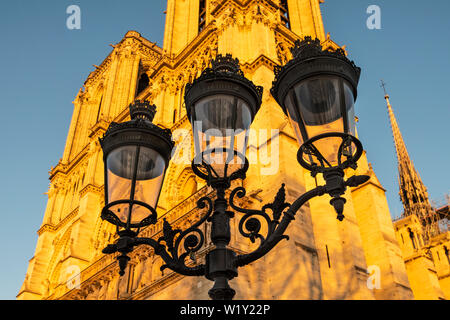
x=168, y=234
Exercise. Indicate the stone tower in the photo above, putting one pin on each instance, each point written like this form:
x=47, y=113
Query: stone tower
x=324, y=258
x=422, y=238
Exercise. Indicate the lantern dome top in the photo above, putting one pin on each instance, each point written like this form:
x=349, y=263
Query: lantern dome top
x=223, y=77
x=139, y=130
x=226, y=67
x=310, y=59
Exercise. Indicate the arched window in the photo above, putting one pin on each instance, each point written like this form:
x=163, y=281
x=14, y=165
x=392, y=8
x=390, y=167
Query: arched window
x=174, y=116
x=447, y=253
x=284, y=11
x=411, y=235
x=99, y=109
x=144, y=82
x=405, y=198
x=156, y=269
x=202, y=16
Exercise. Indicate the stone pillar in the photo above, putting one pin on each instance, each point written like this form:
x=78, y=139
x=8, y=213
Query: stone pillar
x=378, y=237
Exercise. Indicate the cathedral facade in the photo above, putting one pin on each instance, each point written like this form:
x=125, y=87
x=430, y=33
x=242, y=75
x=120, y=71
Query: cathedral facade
x=324, y=258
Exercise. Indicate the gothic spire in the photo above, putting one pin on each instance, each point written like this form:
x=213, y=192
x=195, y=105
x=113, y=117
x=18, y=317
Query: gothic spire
x=413, y=192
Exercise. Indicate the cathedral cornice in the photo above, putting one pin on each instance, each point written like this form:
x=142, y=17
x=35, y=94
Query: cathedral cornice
x=65, y=168
x=182, y=122
x=406, y=220
x=440, y=239
x=102, y=269
x=98, y=129
x=287, y=34
x=48, y=227
x=370, y=182
x=25, y=289
x=97, y=73
x=140, y=39
x=175, y=62
x=157, y=286
x=421, y=253
x=92, y=188
x=241, y=4
x=260, y=61
x=141, y=46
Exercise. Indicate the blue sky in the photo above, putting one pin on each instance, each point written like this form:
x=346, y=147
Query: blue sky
x=43, y=65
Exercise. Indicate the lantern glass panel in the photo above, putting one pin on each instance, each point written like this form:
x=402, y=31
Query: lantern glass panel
x=220, y=125
x=321, y=105
x=134, y=173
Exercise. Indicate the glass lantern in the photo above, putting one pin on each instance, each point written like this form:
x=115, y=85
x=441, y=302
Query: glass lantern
x=221, y=105
x=320, y=105
x=135, y=173
x=317, y=90
x=221, y=125
x=136, y=156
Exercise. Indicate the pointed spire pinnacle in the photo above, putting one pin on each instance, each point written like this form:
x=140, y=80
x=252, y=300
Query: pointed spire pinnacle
x=383, y=84
x=400, y=147
x=413, y=192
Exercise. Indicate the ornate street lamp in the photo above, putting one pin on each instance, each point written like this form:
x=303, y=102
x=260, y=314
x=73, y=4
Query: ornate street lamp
x=221, y=105
x=316, y=89
x=136, y=155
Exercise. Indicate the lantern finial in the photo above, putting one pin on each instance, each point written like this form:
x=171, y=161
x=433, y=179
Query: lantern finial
x=226, y=64
x=142, y=110
x=306, y=48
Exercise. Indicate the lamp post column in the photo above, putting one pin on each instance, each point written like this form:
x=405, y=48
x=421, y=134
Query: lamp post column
x=220, y=262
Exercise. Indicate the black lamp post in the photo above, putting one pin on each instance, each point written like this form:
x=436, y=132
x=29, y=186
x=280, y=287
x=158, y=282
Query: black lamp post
x=316, y=89
x=221, y=105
